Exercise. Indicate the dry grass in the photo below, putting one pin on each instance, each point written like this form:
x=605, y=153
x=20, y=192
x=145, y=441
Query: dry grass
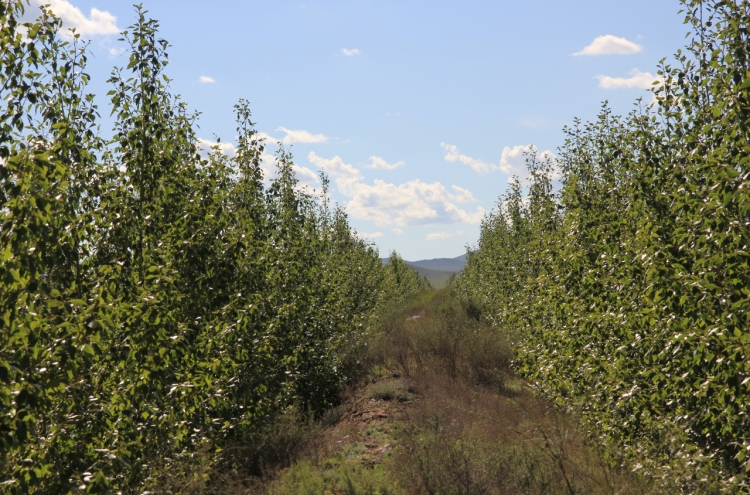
x=471, y=440
x=447, y=336
x=439, y=411
x=476, y=428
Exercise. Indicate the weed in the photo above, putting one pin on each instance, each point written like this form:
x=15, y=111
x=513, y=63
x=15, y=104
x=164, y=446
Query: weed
x=374, y=432
x=451, y=337
x=390, y=390
x=333, y=415
x=336, y=476
x=476, y=428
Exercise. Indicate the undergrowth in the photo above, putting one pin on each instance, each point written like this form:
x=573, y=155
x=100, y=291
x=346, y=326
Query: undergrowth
x=465, y=424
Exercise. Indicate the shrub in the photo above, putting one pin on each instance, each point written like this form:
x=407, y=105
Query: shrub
x=451, y=336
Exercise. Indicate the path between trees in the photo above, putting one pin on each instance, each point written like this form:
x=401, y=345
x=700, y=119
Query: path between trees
x=441, y=412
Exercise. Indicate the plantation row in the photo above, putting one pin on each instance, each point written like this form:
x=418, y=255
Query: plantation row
x=155, y=304
x=626, y=283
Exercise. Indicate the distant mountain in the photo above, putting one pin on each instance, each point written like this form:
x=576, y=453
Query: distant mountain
x=453, y=265
x=437, y=270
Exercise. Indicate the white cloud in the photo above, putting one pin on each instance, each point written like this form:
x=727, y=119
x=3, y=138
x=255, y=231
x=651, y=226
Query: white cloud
x=412, y=203
x=437, y=235
x=610, y=45
x=267, y=138
x=227, y=148
x=301, y=136
x=334, y=166
x=453, y=155
x=442, y=235
x=99, y=22
x=206, y=80
x=463, y=195
x=350, y=53
x=365, y=235
x=305, y=176
x=380, y=164
x=116, y=52
x=397, y=230
x=513, y=161
x=293, y=137
x=637, y=79
x=268, y=166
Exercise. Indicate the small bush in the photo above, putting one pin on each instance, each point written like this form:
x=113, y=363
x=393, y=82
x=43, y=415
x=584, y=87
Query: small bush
x=336, y=476
x=258, y=452
x=390, y=390
x=450, y=336
x=333, y=415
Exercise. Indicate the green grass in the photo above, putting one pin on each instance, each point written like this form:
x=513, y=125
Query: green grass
x=390, y=390
x=337, y=475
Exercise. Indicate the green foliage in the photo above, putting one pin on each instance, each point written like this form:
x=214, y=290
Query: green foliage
x=627, y=291
x=154, y=304
x=402, y=282
x=338, y=476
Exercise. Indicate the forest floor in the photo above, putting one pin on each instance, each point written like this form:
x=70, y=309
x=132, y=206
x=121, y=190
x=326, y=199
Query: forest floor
x=441, y=412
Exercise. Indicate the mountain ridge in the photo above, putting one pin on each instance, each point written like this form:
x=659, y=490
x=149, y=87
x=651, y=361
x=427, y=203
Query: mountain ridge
x=437, y=270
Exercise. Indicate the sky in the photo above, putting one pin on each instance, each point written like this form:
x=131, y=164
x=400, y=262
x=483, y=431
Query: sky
x=418, y=111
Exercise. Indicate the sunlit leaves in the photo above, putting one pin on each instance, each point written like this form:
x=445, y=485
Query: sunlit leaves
x=153, y=302
x=627, y=289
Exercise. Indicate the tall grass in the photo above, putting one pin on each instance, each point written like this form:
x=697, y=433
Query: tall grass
x=468, y=425
x=476, y=428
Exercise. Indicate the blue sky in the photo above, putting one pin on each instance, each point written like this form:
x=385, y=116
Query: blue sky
x=419, y=111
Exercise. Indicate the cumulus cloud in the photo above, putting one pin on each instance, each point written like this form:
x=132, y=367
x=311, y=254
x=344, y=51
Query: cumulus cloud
x=463, y=195
x=267, y=138
x=206, y=80
x=301, y=136
x=454, y=155
x=334, y=166
x=637, y=79
x=512, y=161
x=292, y=137
x=350, y=53
x=610, y=45
x=442, y=235
x=305, y=176
x=268, y=166
x=116, y=52
x=99, y=22
x=412, y=203
x=206, y=145
x=380, y=164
